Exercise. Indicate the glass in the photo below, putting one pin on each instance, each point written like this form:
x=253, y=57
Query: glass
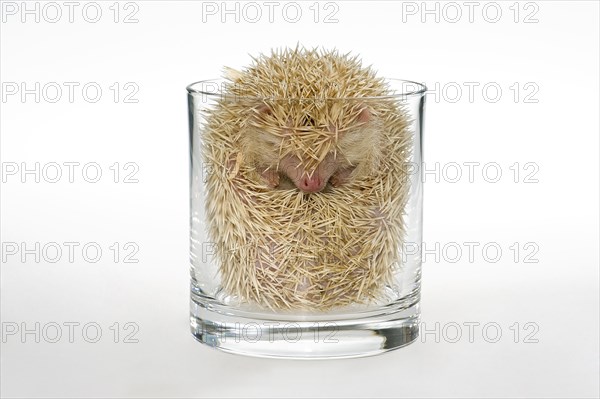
x=315, y=255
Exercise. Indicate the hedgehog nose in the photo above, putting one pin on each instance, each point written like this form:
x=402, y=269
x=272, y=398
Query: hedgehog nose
x=311, y=184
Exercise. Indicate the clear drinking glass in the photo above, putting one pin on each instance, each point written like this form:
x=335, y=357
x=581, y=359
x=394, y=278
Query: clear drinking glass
x=278, y=272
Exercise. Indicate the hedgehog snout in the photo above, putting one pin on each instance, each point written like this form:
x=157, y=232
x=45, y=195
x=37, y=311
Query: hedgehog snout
x=311, y=184
x=308, y=181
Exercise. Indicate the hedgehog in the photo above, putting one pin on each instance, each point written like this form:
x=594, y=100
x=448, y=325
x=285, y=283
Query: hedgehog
x=307, y=190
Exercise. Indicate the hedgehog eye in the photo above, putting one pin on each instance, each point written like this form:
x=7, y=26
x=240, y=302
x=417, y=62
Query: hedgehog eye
x=263, y=111
x=364, y=115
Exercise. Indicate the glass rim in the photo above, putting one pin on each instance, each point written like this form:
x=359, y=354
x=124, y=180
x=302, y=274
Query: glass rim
x=417, y=89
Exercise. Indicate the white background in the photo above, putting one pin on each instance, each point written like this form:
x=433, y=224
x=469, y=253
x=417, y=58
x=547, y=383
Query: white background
x=174, y=44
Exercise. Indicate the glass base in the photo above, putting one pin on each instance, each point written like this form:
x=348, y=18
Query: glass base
x=304, y=337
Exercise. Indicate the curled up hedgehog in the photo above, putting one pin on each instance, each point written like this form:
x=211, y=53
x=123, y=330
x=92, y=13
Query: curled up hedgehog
x=308, y=187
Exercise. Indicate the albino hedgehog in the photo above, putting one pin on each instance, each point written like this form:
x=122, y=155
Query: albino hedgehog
x=308, y=187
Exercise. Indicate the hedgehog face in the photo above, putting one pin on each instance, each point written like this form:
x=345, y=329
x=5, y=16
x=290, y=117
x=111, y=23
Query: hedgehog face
x=310, y=154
